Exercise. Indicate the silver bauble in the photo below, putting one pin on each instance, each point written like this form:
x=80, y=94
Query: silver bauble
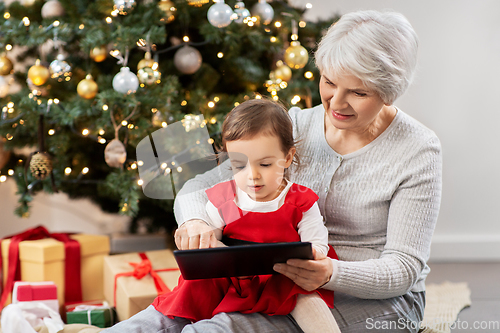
x=219, y=14
x=125, y=81
x=123, y=6
x=241, y=12
x=59, y=68
x=263, y=11
x=187, y=59
x=52, y=8
x=115, y=154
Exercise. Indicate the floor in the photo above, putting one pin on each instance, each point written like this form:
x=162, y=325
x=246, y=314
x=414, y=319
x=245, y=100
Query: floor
x=484, y=281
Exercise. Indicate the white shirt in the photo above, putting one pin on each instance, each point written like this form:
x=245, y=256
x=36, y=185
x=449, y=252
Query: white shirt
x=310, y=229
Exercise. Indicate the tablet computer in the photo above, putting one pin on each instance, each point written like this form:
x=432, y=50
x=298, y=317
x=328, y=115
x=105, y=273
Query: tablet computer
x=239, y=260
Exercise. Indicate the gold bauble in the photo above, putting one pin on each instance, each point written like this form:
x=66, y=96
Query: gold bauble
x=296, y=55
x=99, y=53
x=167, y=7
x=87, y=88
x=283, y=72
x=146, y=62
x=38, y=74
x=6, y=65
x=41, y=165
x=148, y=76
x=197, y=3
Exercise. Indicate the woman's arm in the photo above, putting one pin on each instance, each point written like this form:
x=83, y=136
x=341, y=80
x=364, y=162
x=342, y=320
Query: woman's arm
x=412, y=217
x=191, y=200
x=190, y=210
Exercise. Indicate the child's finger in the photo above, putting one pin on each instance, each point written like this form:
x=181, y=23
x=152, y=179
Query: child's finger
x=205, y=239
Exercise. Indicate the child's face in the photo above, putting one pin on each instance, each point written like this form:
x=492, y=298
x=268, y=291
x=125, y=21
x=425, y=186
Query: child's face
x=258, y=165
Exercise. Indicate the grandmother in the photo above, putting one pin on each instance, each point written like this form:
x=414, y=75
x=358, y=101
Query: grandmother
x=377, y=172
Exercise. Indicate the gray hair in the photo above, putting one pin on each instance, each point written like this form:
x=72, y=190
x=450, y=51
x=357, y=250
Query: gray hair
x=380, y=48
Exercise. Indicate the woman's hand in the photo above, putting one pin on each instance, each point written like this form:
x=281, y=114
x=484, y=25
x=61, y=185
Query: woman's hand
x=308, y=274
x=195, y=234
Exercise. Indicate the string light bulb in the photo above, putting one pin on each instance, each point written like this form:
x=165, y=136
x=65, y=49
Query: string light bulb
x=295, y=99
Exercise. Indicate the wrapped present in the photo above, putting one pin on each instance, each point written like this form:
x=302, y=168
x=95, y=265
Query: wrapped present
x=96, y=313
x=74, y=262
x=133, y=280
x=44, y=292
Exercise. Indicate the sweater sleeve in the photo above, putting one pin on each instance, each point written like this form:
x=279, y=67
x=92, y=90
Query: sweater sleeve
x=412, y=217
x=190, y=202
x=213, y=214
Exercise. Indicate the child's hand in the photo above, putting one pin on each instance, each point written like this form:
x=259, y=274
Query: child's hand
x=318, y=255
x=195, y=234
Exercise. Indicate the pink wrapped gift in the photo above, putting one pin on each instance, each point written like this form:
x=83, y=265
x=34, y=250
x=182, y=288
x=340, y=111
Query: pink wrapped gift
x=45, y=292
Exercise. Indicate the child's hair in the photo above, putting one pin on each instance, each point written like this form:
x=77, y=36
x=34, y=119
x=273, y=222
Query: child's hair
x=259, y=116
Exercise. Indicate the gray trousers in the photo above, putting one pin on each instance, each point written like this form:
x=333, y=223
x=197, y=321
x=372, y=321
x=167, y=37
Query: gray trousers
x=398, y=314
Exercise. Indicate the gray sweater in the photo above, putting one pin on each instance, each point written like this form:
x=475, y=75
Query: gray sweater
x=380, y=203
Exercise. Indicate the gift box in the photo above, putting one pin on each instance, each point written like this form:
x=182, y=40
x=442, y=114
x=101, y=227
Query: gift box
x=44, y=260
x=44, y=292
x=133, y=280
x=96, y=313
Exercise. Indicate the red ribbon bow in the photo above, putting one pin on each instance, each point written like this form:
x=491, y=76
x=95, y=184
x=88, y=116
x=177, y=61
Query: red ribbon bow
x=142, y=269
x=72, y=277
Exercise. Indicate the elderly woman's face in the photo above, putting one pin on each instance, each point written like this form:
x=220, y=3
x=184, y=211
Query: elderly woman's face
x=348, y=103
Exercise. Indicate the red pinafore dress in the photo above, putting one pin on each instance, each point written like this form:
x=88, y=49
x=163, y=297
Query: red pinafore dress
x=271, y=294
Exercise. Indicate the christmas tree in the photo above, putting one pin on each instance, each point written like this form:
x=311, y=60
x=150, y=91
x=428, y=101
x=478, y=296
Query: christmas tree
x=102, y=75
